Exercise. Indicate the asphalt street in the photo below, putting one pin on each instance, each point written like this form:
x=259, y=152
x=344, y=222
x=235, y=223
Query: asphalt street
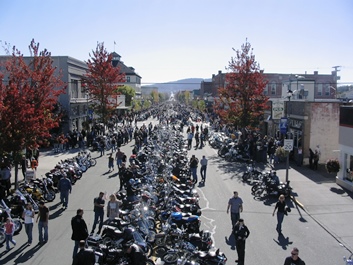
x=319, y=225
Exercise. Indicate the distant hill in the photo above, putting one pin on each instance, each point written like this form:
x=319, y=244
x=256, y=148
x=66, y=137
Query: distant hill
x=179, y=85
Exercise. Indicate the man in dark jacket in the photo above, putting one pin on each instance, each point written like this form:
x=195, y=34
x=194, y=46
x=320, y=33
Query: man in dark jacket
x=241, y=233
x=79, y=230
x=84, y=256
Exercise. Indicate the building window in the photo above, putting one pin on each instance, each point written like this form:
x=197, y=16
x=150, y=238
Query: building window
x=74, y=88
x=327, y=89
x=319, y=89
x=266, y=90
x=273, y=88
x=128, y=79
x=348, y=161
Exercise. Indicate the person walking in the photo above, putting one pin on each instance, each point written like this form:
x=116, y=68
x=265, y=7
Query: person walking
x=64, y=187
x=281, y=211
x=79, y=230
x=28, y=216
x=194, y=162
x=9, y=231
x=189, y=138
x=85, y=256
x=294, y=258
x=111, y=162
x=316, y=160
x=24, y=166
x=113, y=207
x=203, y=163
x=43, y=217
x=98, y=212
x=235, y=204
x=241, y=233
x=119, y=158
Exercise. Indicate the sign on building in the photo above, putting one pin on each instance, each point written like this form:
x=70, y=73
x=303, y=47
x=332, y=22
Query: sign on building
x=277, y=109
x=283, y=125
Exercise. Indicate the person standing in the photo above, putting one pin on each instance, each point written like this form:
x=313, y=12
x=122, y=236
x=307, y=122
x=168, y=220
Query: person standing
x=194, y=162
x=119, y=158
x=98, y=212
x=24, y=165
x=113, y=207
x=85, y=256
x=241, y=233
x=203, y=163
x=235, y=204
x=43, y=217
x=281, y=210
x=65, y=187
x=9, y=231
x=111, y=162
x=294, y=258
x=28, y=216
x=189, y=138
x=316, y=160
x=79, y=230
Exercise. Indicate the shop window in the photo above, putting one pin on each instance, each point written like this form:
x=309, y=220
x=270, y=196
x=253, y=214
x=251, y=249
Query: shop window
x=348, y=165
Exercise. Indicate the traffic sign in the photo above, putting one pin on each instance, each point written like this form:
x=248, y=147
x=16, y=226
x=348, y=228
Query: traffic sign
x=288, y=144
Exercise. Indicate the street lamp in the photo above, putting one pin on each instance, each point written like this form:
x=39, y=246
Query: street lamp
x=288, y=143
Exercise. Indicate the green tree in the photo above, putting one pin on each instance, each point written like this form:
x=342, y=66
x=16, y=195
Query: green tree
x=154, y=96
x=242, y=102
x=129, y=93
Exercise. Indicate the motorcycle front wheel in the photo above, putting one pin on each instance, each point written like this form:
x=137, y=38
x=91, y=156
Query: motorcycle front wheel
x=93, y=162
x=2, y=237
x=18, y=225
x=170, y=258
x=50, y=196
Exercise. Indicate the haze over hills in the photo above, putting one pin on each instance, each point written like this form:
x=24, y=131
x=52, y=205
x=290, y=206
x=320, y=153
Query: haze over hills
x=188, y=84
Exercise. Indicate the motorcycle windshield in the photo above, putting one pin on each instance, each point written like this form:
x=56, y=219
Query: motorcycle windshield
x=139, y=239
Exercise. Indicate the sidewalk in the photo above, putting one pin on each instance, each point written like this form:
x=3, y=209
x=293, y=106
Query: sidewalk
x=46, y=162
x=330, y=205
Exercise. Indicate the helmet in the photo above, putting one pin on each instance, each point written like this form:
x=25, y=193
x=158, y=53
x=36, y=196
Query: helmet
x=131, y=181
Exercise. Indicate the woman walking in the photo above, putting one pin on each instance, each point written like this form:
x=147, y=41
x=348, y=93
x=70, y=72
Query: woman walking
x=281, y=210
x=28, y=216
x=113, y=207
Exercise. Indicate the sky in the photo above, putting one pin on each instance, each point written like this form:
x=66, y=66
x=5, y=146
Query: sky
x=167, y=40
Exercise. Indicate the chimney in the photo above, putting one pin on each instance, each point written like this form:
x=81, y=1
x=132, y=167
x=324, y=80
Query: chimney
x=219, y=72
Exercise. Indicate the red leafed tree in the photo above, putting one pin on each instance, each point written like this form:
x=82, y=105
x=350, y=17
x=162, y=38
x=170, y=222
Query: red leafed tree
x=242, y=102
x=28, y=96
x=101, y=82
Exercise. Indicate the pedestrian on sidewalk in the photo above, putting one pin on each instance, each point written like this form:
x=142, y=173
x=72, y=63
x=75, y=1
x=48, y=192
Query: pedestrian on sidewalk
x=79, y=230
x=194, y=162
x=43, y=217
x=111, y=162
x=316, y=160
x=281, y=211
x=294, y=258
x=65, y=187
x=9, y=231
x=203, y=163
x=28, y=216
x=235, y=204
x=98, y=212
x=24, y=166
x=241, y=233
x=311, y=158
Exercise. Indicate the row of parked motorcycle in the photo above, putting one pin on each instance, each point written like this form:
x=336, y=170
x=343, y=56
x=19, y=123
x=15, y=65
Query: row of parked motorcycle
x=229, y=149
x=41, y=189
x=163, y=216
